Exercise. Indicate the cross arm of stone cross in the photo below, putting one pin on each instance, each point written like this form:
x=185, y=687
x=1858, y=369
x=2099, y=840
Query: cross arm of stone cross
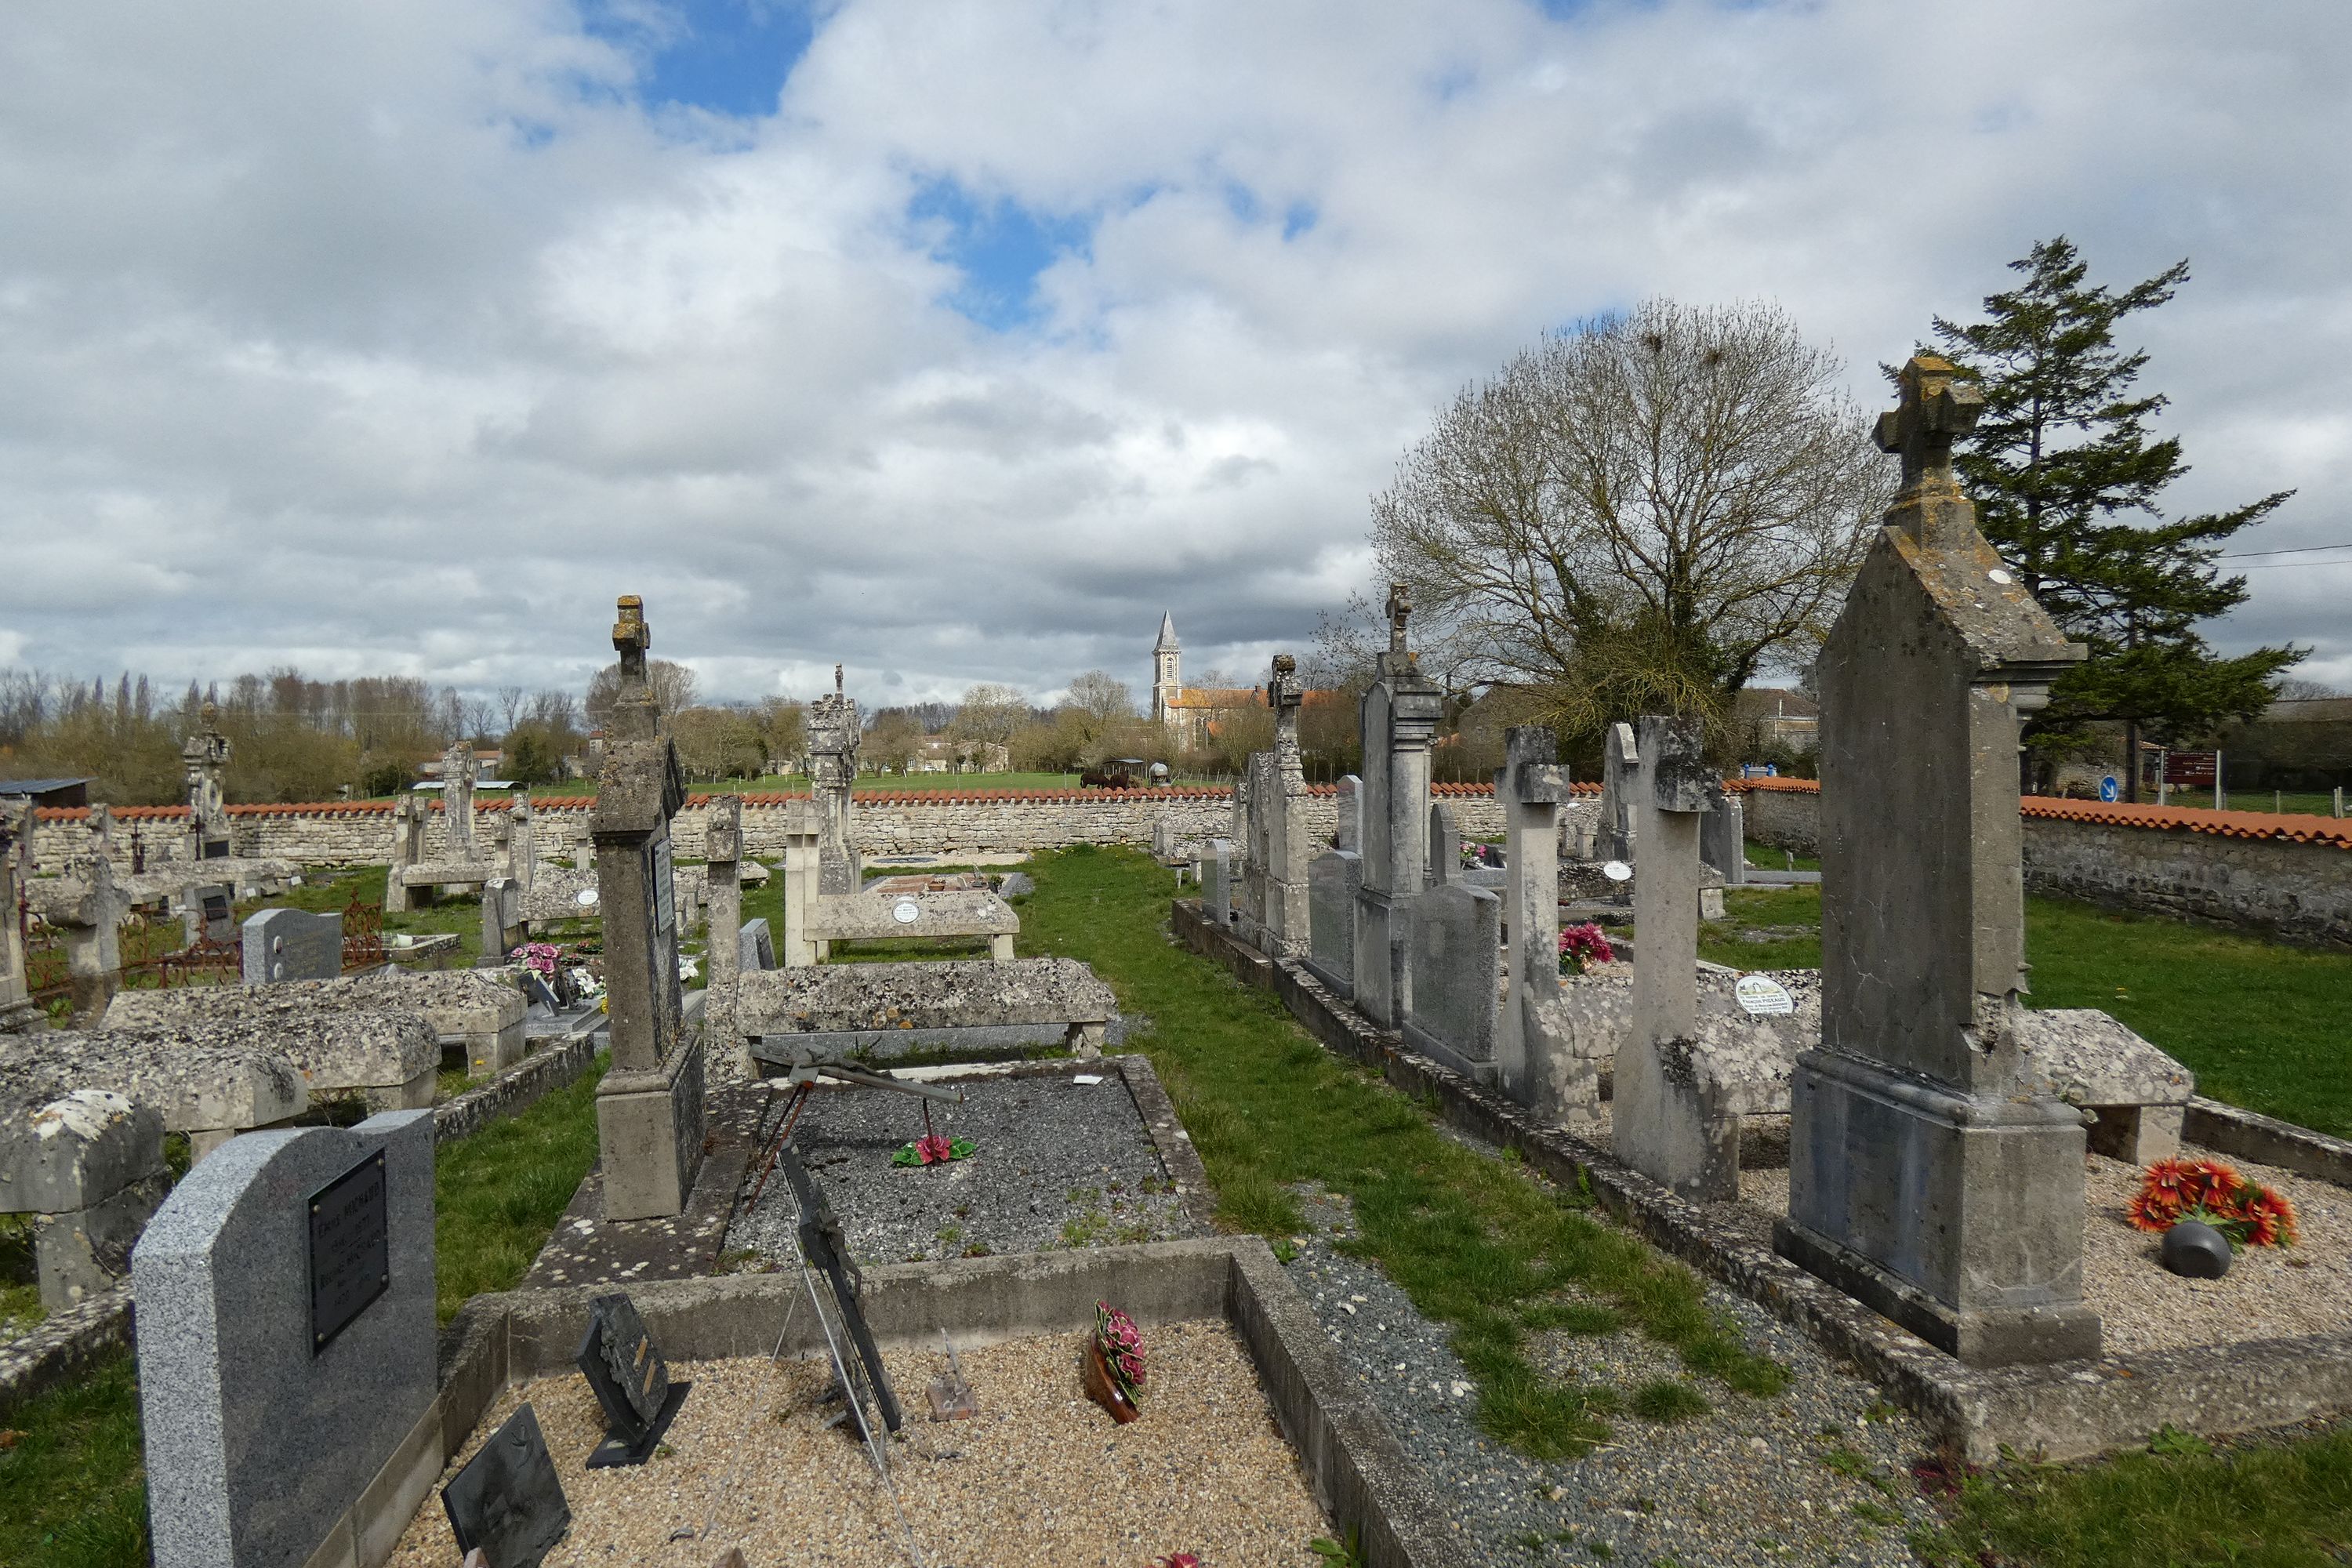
x=631, y=635
x=1937, y=406
x=1282, y=692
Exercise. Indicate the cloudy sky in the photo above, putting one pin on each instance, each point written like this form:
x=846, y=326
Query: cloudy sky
x=956, y=341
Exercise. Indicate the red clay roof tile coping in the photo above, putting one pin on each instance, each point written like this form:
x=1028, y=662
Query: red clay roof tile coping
x=2257, y=825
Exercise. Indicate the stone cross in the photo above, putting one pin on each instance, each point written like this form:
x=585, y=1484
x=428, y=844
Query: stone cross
x=1400, y=609
x=722, y=849
x=634, y=717
x=1929, y=1175
x=1284, y=696
x=649, y=1105
x=16, y=1009
x=205, y=755
x=835, y=729
x=458, y=798
x=1936, y=408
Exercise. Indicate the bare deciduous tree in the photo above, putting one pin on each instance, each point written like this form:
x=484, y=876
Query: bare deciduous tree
x=1635, y=515
x=675, y=689
x=990, y=715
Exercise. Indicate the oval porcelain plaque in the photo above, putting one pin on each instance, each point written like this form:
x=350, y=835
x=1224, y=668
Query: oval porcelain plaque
x=1618, y=871
x=906, y=912
x=585, y=897
x=1760, y=993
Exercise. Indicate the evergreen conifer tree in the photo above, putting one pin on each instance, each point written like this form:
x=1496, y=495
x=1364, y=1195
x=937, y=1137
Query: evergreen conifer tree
x=2059, y=460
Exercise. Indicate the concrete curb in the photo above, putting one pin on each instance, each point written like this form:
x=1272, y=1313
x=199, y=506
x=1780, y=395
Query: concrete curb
x=517, y=1088
x=2058, y=1410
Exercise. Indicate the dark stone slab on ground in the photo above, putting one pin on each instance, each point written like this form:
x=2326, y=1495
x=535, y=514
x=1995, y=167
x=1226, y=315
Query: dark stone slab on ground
x=1056, y=1163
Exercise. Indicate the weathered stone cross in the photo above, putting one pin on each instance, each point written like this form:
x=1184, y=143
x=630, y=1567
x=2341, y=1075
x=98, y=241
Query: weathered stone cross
x=1936, y=406
x=631, y=637
x=1282, y=692
x=1399, y=606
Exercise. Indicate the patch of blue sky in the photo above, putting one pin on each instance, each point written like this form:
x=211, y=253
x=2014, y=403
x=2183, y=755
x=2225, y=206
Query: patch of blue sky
x=999, y=245
x=728, y=57
x=1299, y=217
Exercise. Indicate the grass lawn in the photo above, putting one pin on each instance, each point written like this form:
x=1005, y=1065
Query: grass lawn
x=2260, y=1024
x=1475, y=1240
x=1770, y=857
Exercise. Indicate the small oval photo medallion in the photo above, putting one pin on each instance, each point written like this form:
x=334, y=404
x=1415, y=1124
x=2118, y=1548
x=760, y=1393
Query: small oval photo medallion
x=1760, y=993
x=1618, y=871
x=1998, y=575
x=906, y=912
x=585, y=897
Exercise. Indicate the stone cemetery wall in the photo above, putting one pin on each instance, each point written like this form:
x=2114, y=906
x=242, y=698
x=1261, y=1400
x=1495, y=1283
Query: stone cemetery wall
x=924, y=822
x=2291, y=874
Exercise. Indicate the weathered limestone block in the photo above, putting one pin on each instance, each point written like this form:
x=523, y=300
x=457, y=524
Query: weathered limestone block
x=2086, y=1058
x=450, y=873
x=755, y=946
x=503, y=928
x=383, y=1054
x=89, y=1164
x=775, y=1005
x=208, y=1080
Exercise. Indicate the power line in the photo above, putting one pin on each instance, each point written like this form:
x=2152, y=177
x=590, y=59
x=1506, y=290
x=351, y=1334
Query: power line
x=2298, y=549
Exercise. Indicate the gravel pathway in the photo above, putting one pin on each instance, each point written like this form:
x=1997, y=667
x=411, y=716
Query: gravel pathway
x=1788, y=1480
x=1056, y=1162
x=1040, y=1476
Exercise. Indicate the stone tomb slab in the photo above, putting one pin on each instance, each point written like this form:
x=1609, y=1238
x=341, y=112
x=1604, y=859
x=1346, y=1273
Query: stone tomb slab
x=775, y=1008
x=1056, y=1163
x=208, y=1080
x=386, y=1057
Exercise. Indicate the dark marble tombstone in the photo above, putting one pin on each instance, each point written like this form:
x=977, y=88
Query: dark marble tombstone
x=507, y=1502
x=632, y=1382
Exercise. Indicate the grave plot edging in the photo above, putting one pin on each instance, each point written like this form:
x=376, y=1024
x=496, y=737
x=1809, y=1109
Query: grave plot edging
x=1354, y=1463
x=2057, y=1410
x=517, y=1088
x=2267, y=1140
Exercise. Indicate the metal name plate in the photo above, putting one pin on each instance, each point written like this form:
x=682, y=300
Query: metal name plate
x=350, y=1249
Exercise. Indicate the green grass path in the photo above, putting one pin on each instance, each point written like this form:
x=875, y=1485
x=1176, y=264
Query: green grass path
x=1474, y=1239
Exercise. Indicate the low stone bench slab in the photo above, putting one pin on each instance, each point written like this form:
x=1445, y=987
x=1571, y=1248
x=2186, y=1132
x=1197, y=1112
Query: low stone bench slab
x=865, y=917
x=387, y=1056
x=206, y=1078
x=773, y=1006
x=450, y=873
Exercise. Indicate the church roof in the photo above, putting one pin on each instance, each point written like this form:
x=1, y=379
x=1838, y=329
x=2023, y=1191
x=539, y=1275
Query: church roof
x=1167, y=643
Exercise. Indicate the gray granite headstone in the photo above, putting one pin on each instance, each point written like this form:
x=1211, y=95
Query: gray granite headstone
x=1331, y=883
x=262, y=1427
x=754, y=944
x=293, y=945
x=1455, y=945
x=506, y=1503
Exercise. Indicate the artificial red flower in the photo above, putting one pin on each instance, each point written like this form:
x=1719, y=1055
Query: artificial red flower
x=932, y=1149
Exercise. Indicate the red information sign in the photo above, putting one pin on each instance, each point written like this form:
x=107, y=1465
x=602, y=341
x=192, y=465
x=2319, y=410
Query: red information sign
x=2191, y=769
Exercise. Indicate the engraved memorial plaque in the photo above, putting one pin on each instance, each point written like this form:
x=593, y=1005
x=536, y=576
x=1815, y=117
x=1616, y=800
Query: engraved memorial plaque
x=665, y=892
x=507, y=1502
x=350, y=1249
x=631, y=1380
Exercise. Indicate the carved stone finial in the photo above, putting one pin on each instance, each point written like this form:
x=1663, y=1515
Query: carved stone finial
x=1936, y=408
x=1400, y=609
x=836, y=680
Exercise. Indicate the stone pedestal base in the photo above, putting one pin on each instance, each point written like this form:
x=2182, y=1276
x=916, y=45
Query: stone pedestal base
x=649, y=1133
x=1960, y=1217
x=86, y=1254
x=1662, y=1125
x=489, y=1053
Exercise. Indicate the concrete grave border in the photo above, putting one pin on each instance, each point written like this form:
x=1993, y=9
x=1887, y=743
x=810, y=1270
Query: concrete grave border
x=2057, y=1410
x=1354, y=1464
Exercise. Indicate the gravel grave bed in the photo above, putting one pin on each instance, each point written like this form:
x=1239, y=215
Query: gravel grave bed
x=2269, y=1292
x=1041, y=1475
x=1818, y=1474
x=1056, y=1163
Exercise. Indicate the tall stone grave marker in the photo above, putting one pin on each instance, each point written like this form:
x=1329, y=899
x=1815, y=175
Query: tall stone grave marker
x=833, y=734
x=408, y=816
x=204, y=756
x=1347, y=831
x=1453, y=948
x=1928, y=1177
x=457, y=771
x=1657, y=1127
x=286, y=1346
x=649, y=1106
x=1288, y=842
x=1723, y=834
x=523, y=846
x=722, y=848
x=1399, y=715
x=16, y=1009
x=1620, y=761
x=87, y=912
x=1531, y=786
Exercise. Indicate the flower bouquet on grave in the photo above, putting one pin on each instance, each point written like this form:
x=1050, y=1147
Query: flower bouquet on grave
x=540, y=957
x=1115, y=1364
x=1581, y=946
x=2210, y=1192
x=932, y=1149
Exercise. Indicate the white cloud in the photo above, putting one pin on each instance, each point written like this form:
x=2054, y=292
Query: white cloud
x=402, y=338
